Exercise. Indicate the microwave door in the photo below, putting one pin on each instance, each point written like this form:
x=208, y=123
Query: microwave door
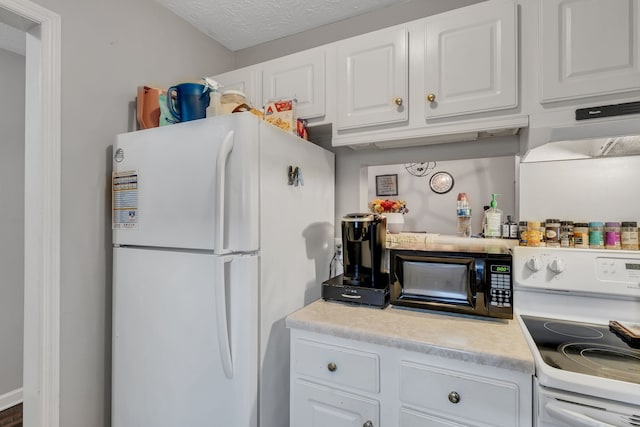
x=438, y=280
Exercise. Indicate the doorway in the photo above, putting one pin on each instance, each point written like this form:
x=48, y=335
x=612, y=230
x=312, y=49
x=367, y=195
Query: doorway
x=40, y=388
x=12, y=152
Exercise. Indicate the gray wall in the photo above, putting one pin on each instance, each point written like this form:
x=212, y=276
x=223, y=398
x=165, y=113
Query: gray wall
x=108, y=49
x=436, y=213
x=12, y=67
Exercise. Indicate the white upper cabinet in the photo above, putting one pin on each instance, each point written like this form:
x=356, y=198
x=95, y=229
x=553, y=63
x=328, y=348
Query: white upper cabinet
x=245, y=80
x=372, y=79
x=589, y=48
x=471, y=60
x=300, y=76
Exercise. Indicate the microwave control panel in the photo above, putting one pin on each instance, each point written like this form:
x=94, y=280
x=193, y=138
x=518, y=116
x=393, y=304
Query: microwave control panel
x=498, y=276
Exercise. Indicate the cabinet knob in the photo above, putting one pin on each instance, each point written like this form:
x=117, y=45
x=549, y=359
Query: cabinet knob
x=454, y=397
x=398, y=101
x=332, y=367
x=431, y=97
x=367, y=424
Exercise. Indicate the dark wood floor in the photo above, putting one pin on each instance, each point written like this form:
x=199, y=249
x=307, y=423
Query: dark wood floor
x=11, y=417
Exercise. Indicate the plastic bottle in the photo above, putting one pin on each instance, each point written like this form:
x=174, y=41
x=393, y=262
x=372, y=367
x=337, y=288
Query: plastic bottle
x=629, y=235
x=463, y=215
x=612, y=235
x=492, y=219
x=581, y=235
x=566, y=234
x=534, y=234
x=522, y=233
x=214, y=97
x=552, y=232
x=596, y=235
x=509, y=229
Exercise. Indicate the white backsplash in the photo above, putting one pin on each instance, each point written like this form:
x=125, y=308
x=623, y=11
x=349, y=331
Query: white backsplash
x=603, y=189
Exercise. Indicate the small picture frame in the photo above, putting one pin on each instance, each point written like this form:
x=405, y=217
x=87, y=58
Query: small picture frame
x=387, y=185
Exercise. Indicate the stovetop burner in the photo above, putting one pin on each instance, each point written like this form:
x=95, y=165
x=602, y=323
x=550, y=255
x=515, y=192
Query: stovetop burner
x=572, y=330
x=584, y=348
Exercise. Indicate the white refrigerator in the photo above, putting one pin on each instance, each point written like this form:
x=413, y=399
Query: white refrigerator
x=216, y=240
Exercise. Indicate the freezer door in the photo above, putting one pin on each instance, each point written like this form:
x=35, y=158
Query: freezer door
x=191, y=185
x=185, y=340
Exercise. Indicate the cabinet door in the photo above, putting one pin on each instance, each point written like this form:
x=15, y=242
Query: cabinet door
x=372, y=79
x=589, y=47
x=244, y=80
x=300, y=76
x=471, y=60
x=410, y=418
x=320, y=406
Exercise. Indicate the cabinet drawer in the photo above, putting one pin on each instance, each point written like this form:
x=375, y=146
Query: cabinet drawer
x=316, y=405
x=409, y=418
x=459, y=396
x=337, y=365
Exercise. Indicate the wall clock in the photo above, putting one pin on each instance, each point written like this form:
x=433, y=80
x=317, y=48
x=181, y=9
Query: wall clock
x=441, y=182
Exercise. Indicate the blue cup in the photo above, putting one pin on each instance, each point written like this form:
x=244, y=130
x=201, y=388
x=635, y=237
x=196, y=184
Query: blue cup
x=188, y=101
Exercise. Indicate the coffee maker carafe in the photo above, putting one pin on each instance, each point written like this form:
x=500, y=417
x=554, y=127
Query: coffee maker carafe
x=363, y=240
x=364, y=281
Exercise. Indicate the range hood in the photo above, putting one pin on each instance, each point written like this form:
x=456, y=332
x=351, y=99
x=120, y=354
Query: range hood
x=612, y=134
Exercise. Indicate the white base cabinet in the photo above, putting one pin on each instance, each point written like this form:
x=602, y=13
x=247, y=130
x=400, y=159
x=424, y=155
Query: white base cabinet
x=342, y=382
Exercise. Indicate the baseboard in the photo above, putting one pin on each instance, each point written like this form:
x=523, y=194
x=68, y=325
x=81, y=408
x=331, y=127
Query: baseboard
x=10, y=399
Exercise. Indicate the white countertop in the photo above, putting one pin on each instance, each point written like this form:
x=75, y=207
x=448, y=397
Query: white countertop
x=492, y=342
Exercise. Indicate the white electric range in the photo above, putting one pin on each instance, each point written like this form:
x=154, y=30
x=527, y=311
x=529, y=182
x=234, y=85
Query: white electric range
x=586, y=375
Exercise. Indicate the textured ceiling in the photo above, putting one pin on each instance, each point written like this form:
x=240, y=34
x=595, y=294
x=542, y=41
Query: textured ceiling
x=238, y=24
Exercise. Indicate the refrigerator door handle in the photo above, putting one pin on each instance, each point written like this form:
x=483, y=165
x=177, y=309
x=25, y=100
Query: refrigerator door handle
x=221, y=317
x=221, y=167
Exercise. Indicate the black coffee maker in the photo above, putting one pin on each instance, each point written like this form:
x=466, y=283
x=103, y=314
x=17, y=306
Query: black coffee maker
x=363, y=242
x=364, y=280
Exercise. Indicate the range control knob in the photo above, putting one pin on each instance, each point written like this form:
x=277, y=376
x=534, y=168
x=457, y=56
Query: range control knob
x=557, y=265
x=534, y=263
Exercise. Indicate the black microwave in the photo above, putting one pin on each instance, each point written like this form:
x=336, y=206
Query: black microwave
x=468, y=282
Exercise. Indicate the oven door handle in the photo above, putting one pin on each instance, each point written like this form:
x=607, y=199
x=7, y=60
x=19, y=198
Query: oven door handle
x=572, y=418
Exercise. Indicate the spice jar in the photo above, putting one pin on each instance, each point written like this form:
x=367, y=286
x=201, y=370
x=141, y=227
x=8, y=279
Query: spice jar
x=629, y=236
x=566, y=234
x=522, y=233
x=612, y=235
x=581, y=235
x=596, y=235
x=552, y=232
x=534, y=233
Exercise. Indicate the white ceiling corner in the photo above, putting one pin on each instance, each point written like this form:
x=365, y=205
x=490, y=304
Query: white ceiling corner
x=12, y=39
x=245, y=23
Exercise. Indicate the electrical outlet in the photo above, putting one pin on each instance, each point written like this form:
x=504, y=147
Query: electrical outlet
x=338, y=246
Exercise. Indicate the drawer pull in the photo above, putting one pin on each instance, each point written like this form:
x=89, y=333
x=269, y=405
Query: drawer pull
x=332, y=367
x=398, y=102
x=367, y=424
x=454, y=397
